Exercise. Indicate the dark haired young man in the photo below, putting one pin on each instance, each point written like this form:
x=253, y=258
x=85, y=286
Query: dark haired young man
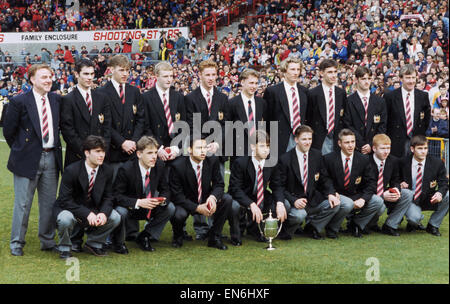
x=84, y=112
x=85, y=200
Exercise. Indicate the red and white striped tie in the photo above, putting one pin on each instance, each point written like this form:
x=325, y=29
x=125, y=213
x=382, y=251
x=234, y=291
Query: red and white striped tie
x=418, y=190
x=209, y=102
x=45, y=132
x=89, y=103
x=91, y=183
x=168, y=116
x=251, y=119
x=199, y=184
x=380, y=185
x=122, y=93
x=330, y=112
x=296, y=111
x=346, y=173
x=409, y=125
x=305, y=172
x=260, y=188
x=366, y=105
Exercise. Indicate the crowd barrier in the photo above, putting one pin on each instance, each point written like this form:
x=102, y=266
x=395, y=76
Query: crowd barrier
x=438, y=147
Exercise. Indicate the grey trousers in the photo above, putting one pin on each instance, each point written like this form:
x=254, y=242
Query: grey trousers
x=342, y=210
x=46, y=183
x=395, y=215
x=327, y=146
x=414, y=213
x=158, y=219
x=364, y=215
x=96, y=236
x=321, y=215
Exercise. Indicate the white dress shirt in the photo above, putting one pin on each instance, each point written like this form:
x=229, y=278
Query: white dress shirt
x=143, y=176
x=89, y=171
x=161, y=92
x=117, y=85
x=83, y=94
x=300, y=157
x=350, y=161
x=38, y=100
x=205, y=93
x=245, y=102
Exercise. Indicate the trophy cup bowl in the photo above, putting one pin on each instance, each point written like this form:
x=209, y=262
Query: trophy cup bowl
x=271, y=229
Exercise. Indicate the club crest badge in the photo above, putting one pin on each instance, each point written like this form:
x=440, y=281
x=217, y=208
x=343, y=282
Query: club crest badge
x=358, y=180
x=134, y=109
x=316, y=177
x=433, y=184
x=376, y=119
x=101, y=118
x=177, y=116
x=220, y=115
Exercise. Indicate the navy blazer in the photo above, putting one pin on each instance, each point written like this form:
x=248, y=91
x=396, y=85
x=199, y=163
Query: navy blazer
x=22, y=131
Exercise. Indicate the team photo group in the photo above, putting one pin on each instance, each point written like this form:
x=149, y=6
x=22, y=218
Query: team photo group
x=323, y=163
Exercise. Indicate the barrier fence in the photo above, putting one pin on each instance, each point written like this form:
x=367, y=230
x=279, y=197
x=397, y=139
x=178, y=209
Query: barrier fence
x=438, y=147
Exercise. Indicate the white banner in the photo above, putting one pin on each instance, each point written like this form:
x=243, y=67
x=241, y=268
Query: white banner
x=90, y=36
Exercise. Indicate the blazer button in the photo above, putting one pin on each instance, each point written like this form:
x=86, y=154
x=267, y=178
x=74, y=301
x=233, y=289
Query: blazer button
x=129, y=132
x=26, y=139
x=118, y=123
x=159, y=126
x=27, y=130
x=131, y=120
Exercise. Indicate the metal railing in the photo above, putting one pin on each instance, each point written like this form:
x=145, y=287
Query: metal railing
x=438, y=147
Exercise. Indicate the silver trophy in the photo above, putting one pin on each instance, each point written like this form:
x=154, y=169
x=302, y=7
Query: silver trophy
x=271, y=229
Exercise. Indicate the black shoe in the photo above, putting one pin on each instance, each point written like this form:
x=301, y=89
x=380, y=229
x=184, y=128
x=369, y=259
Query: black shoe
x=420, y=227
x=236, y=242
x=217, y=244
x=366, y=231
x=201, y=237
x=331, y=234
x=433, y=230
x=312, y=231
x=299, y=231
x=284, y=236
x=355, y=230
x=76, y=247
x=177, y=242
x=95, y=251
x=107, y=246
x=389, y=230
x=187, y=237
x=260, y=238
x=143, y=242
x=411, y=227
x=51, y=249
x=17, y=252
x=120, y=248
x=65, y=254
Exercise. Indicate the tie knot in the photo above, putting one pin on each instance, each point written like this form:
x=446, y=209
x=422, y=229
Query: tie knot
x=43, y=99
x=293, y=89
x=198, y=167
x=249, y=102
x=347, y=158
x=381, y=164
x=93, y=172
x=420, y=164
x=147, y=174
x=304, y=156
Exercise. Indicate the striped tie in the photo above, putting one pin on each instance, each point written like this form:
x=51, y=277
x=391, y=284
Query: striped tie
x=346, y=173
x=251, y=121
x=330, y=112
x=45, y=132
x=148, y=193
x=380, y=185
x=260, y=188
x=89, y=103
x=418, y=190
x=296, y=111
x=168, y=116
x=199, y=184
x=409, y=125
x=91, y=183
x=122, y=94
x=305, y=172
x=366, y=105
x=209, y=102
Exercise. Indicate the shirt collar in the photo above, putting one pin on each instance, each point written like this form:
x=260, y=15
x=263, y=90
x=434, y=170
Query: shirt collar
x=143, y=170
x=205, y=92
x=415, y=163
x=300, y=154
x=344, y=156
x=194, y=164
x=361, y=95
x=83, y=92
x=116, y=84
x=161, y=92
x=288, y=87
x=89, y=169
x=38, y=96
x=327, y=88
x=245, y=99
x=256, y=163
x=404, y=92
x=378, y=161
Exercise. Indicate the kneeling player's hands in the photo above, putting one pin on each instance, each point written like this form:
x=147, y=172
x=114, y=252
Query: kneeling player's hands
x=281, y=212
x=256, y=213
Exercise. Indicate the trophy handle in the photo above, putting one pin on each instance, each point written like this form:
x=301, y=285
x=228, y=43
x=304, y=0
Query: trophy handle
x=279, y=229
x=259, y=227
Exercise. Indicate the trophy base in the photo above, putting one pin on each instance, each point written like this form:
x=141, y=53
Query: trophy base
x=270, y=248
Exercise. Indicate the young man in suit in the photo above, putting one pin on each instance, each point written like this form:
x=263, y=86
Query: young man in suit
x=211, y=105
x=197, y=186
x=85, y=200
x=408, y=112
x=365, y=114
x=387, y=169
x=128, y=117
x=163, y=107
x=31, y=129
x=326, y=106
x=248, y=187
x=349, y=173
x=248, y=109
x=426, y=177
x=305, y=188
x=287, y=103
x=127, y=112
x=84, y=112
x=142, y=193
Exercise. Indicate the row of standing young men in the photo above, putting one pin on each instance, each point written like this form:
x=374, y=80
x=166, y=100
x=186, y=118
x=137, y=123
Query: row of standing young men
x=121, y=116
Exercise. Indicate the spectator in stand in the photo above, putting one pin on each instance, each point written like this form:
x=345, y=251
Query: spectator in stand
x=438, y=127
x=68, y=58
